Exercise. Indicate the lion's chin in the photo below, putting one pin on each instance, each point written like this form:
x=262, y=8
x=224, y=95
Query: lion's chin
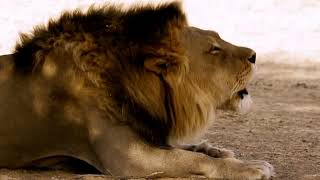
x=245, y=102
x=242, y=102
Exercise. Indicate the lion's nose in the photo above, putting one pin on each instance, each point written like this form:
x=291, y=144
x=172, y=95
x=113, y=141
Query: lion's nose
x=252, y=59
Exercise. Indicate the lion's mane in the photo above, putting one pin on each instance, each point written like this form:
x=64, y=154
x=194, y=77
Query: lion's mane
x=108, y=48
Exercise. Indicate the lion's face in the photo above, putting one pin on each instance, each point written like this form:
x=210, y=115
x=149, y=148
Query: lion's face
x=221, y=69
x=190, y=74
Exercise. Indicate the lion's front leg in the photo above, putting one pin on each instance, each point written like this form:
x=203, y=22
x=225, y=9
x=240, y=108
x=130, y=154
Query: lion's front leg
x=122, y=153
x=208, y=149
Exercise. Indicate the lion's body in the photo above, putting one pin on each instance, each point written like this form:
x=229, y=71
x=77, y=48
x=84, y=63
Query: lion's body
x=113, y=88
x=26, y=136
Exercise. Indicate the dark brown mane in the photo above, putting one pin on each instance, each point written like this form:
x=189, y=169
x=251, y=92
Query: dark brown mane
x=108, y=47
x=110, y=26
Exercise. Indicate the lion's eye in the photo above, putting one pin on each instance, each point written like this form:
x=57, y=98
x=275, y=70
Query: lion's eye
x=214, y=49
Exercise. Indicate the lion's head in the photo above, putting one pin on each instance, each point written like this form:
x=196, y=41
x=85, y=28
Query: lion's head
x=187, y=79
x=215, y=74
x=218, y=75
x=143, y=66
x=191, y=75
x=220, y=68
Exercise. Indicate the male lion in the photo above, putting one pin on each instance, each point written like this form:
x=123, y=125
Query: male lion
x=124, y=90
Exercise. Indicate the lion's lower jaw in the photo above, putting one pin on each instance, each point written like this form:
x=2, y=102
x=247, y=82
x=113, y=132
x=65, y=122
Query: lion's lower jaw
x=244, y=104
x=254, y=70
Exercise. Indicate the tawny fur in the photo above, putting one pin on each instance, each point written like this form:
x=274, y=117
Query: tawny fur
x=105, y=49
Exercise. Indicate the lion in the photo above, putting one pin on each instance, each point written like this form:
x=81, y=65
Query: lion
x=127, y=91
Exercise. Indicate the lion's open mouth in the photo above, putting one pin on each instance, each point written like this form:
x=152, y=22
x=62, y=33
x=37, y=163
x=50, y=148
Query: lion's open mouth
x=245, y=102
x=242, y=93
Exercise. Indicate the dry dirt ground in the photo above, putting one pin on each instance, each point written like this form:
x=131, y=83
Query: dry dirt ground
x=283, y=127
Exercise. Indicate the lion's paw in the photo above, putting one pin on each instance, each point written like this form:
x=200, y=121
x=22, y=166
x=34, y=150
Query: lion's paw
x=208, y=149
x=235, y=169
x=220, y=153
x=255, y=170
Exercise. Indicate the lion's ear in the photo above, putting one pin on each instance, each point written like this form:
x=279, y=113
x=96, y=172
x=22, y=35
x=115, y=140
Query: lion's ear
x=176, y=67
x=156, y=65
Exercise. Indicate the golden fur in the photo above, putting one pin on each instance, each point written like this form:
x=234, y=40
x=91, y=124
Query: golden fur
x=141, y=75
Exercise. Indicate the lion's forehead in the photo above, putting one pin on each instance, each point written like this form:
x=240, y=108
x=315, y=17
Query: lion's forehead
x=205, y=33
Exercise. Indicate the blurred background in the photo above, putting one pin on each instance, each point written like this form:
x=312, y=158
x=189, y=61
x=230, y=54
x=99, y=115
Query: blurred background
x=290, y=29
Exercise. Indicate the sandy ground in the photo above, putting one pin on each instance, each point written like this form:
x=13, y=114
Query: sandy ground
x=283, y=127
